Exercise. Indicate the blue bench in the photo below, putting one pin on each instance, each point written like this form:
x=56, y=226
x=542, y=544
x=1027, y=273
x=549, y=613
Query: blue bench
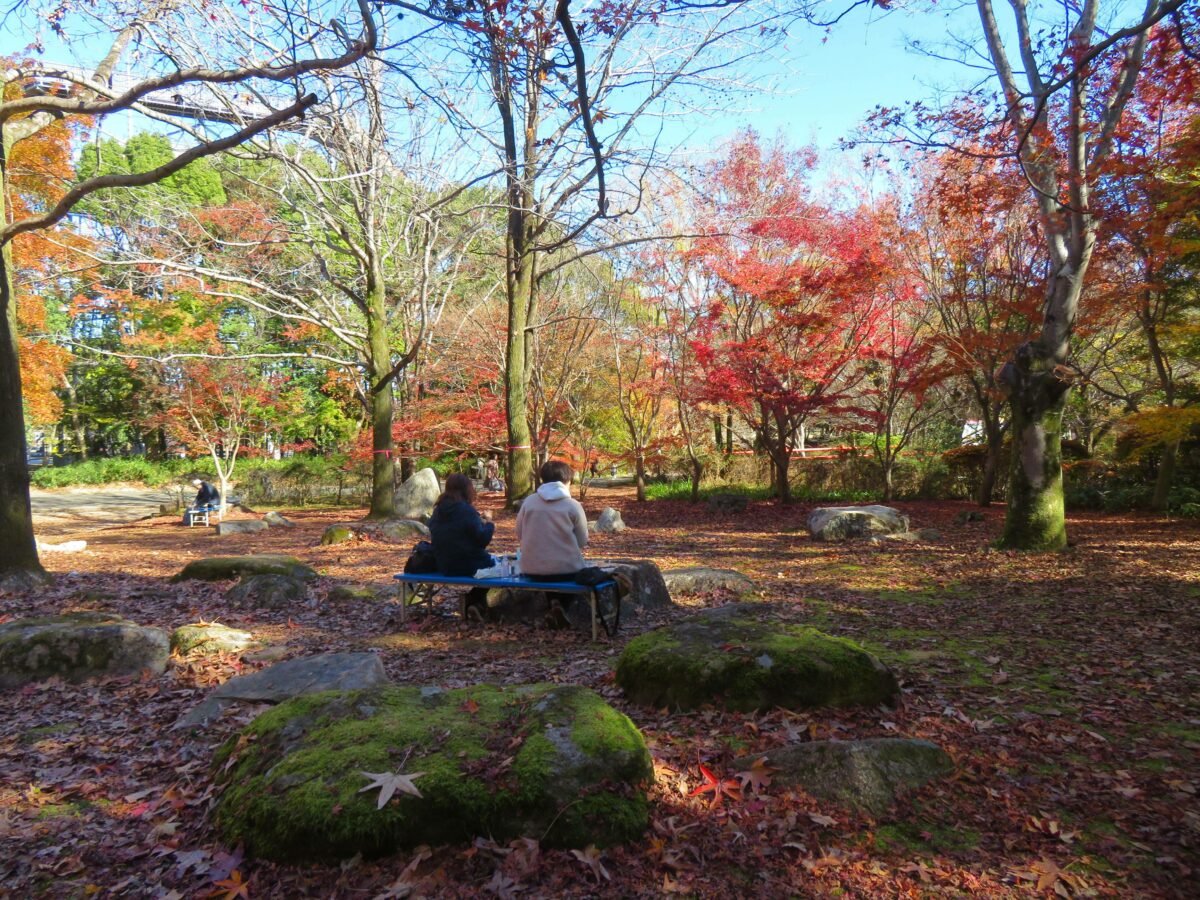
x=425, y=587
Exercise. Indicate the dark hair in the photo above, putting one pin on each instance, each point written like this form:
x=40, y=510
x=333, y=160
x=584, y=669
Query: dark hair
x=458, y=487
x=555, y=470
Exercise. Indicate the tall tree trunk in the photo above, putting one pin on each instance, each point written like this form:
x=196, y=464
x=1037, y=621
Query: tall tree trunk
x=888, y=465
x=18, y=549
x=639, y=467
x=697, y=473
x=520, y=449
x=991, y=464
x=383, y=466
x=1036, y=518
x=1166, y=477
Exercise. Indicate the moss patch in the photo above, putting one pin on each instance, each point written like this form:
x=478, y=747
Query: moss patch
x=550, y=762
x=744, y=665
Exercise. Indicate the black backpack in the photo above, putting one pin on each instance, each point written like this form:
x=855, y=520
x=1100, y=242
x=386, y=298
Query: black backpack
x=421, y=561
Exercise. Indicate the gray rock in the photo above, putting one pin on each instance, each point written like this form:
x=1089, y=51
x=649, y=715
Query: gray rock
x=929, y=534
x=840, y=523
x=293, y=678
x=416, y=497
x=241, y=526
x=642, y=585
x=209, y=637
x=968, y=515
x=701, y=579
x=728, y=503
x=554, y=763
x=268, y=592
x=403, y=530
x=610, y=521
x=278, y=520
x=220, y=568
x=737, y=663
x=867, y=776
x=77, y=646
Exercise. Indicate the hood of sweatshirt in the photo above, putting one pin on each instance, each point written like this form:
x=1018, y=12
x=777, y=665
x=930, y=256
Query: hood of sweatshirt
x=553, y=490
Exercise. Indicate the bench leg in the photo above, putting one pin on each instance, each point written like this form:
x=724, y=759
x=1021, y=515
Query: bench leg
x=595, y=610
x=403, y=602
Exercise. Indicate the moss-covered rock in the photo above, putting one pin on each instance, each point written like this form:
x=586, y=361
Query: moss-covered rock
x=337, y=534
x=551, y=762
x=77, y=646
x=221, y=568
x=268, y=592
x=738, y=663
x=701, y=579
x=351, y=593
x=389, y=531
x=867, y=775
x=209, y=637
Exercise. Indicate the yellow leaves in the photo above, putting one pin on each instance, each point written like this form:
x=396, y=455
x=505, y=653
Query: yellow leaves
x=1151, y=428
x=1046, y=875
x=231, y=888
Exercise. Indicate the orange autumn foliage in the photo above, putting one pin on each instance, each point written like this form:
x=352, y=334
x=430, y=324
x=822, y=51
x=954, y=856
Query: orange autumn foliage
x=39, y=170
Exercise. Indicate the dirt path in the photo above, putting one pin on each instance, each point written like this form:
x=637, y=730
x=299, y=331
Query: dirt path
x=72, y=509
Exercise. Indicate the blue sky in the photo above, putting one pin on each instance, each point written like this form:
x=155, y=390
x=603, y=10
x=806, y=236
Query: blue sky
x=828, y=81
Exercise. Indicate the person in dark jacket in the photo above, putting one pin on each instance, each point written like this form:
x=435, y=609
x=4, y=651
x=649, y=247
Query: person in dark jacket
x=459, y=535
x=207, y=497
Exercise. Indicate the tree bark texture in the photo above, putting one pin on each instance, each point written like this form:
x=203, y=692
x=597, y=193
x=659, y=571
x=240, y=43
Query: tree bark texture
x=18, y=549
x=383, y=466
x=1036, y=518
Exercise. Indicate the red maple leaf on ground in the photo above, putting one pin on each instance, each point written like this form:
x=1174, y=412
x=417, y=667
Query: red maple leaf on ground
x=718, y=787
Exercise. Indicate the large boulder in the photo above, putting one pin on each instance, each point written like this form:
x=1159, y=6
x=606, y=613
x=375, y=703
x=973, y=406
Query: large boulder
x=293, y=678
x=278, y=520
x=323, y=777
x=735, y=662
x=702, y=580
x=416, y=497
x=867, y=776
x=209, y=637
x=609, y=521
x=841, y=523
x=241, y=526
x=221, y=568
x=642, y=585
x=393, y=531
x=77, y=646
x=403, y=530
x=268, y=592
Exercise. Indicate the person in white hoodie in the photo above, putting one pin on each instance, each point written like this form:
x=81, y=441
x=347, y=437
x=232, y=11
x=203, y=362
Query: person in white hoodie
x=552, y=527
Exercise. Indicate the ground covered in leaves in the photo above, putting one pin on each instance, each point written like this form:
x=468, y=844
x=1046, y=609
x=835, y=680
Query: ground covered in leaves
x=1065, y=686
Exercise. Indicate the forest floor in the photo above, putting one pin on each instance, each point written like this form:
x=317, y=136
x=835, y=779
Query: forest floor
x=1065, y=686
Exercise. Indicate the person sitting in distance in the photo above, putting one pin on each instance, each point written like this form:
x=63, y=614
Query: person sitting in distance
x=208, y=498
x=459, y=534
x=552, y=529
